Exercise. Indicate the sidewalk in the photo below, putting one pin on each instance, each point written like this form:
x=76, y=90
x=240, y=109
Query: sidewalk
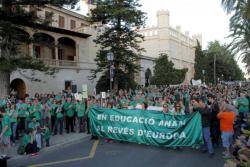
x=55, y=141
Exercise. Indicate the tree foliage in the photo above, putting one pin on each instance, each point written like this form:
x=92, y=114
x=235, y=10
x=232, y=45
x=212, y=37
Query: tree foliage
x=165, y=73
x=199, y=61
x=125, y=81
x=226, y=67
x=121, y=21
x=240, y=28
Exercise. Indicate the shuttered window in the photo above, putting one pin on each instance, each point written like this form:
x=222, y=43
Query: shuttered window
x=61, y=22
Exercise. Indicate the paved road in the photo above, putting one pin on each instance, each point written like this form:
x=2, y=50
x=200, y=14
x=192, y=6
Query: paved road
x=100, y=154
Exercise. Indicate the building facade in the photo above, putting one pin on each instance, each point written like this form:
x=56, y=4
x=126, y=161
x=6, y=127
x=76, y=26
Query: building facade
x=165, y=39
x=66, y=44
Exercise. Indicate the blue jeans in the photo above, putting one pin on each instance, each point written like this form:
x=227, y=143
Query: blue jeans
x=13, y=128
x=227, y=139
x=59, y=122
x=207, y=138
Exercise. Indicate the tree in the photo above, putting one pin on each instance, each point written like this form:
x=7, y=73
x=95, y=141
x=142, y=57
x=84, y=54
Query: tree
x=121, y=21
x=124, y=81
x=199, y=61
x=226, y=67
x=240, y=28
x=165, y=73
x=13, y=19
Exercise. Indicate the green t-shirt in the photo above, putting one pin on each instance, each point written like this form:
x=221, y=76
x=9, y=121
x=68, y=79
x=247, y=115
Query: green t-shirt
x=33, y=125
x=46, y=133
x=23, y=110
x=59, y=112
x=26, y=139
x=6, y=122
x=36, y=111
x=3, y=102
x=243, y=104
x=53, y=109
x=123, y=103
x=80, y=109
x=140, y=101
x=68, y=107
x=58, y=97
x=158, y=104
x=13, y=115
x=132, y=103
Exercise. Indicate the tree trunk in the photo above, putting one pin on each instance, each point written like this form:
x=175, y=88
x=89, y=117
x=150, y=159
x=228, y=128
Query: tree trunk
x=4, y=84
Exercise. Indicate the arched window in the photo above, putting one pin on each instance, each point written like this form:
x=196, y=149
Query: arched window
x=44, y=46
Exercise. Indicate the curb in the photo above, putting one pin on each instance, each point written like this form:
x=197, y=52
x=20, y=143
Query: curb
x=66, y=143
x=53, y=147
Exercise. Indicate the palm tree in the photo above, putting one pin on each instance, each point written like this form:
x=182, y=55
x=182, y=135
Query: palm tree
x=240, y=28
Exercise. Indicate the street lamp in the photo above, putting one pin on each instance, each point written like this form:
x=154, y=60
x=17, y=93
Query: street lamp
x=110, y=58
x=203, y=72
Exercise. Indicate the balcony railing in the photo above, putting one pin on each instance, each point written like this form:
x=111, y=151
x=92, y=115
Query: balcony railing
x=60, y=63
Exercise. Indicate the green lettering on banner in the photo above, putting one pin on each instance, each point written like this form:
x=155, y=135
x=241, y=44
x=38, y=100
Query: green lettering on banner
x=147, y=127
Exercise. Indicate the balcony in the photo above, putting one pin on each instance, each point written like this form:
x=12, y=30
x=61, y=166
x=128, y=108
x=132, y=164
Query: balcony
x=60, y=63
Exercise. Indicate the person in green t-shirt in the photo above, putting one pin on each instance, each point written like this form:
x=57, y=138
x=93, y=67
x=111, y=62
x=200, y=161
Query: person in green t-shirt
x=80, y=109
x=13, y=113
x=29, y=142
x=34, y=124
x=22, y=108
x=36, y=110
x=59, y=118
x=46, y=135
x=5, y=133
x=69, y=109
x=124, y=103
x=53, y=113
x=242, y=104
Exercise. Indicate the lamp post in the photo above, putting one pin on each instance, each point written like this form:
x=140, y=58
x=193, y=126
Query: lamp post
x=110, y=58
x=203, y=73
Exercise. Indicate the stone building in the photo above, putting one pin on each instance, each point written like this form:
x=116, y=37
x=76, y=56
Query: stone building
x=165, y=39
x=67, y=44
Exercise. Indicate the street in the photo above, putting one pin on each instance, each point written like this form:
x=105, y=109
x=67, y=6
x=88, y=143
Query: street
x=100, y=154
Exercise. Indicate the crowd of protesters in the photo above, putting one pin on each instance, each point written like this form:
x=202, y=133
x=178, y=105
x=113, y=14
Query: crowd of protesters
x=32, y=120
x=224, y=110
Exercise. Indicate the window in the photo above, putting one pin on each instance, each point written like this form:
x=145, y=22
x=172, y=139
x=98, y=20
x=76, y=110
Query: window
x=82, y=24
x=72, y=24
x=48, y=17
x=68, y=85
x=61, y=21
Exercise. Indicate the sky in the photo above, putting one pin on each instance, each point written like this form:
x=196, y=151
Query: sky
x=205, y=17
x=196, y=16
